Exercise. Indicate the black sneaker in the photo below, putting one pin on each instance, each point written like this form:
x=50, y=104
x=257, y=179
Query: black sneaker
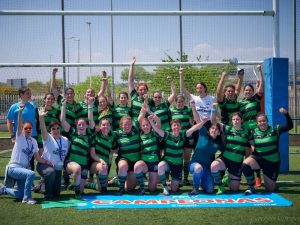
x=141, y=191
x=121, y=191
x=194, y=192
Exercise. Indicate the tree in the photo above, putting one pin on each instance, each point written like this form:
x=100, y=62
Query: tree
x=140, y=74
x=7, y=90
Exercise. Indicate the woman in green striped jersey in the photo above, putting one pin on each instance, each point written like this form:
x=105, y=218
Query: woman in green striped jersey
x=105, y=143
x=174, y=148
x=184, y=114
x=236, y=140
x=227, y=102
x=129, y=147
x=161, y=108
x=266, y=154
x=81, y=145
x=150, y=151
x=122, y=109
x=138, y=95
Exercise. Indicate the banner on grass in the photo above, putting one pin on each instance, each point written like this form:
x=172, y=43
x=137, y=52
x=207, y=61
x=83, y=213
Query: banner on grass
x=182, y=201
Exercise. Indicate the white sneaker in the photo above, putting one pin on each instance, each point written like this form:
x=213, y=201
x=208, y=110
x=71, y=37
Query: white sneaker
x=2, y=188
x=29, y=201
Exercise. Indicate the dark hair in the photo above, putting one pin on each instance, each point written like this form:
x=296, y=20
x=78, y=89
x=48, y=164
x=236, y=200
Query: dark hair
x=123, y=93
x=175, y=121
x=237, y=114
x=22, y=90
x=69, y=88
x=49, y=93
x=249, y=85
x=54, y=123
x=204, y=85
x=229, y=86
x=260, y=114
x=179, y=96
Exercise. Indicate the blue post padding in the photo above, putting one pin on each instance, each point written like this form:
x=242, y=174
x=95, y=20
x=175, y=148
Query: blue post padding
x=276, y=96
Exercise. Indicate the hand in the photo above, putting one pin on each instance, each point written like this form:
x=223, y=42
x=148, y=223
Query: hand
x=145, y=107
x=132, y=62
x=42, y=112
x=214, y=105
x=151, y=118
x=181, y=71
x=48, y=163
x=54, y=71
x=64, y=102
x=104, y=75
x=283, y=110
x=258, y=67
x=192, y=103
x=170, y=78
x=204, y=119
x=21, y=107
x=224, y=74
x=91, y=101
x=145, y=97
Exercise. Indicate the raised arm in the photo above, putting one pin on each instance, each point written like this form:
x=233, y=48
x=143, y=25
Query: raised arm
x=173, y=90
x=239, y=83
x=63, y=120
x=91, y=101
x=10, y=126
x=260, y=89
x=220, y=95
x=196, y=127
x=131, y=75
x=103, y=84
x=289, y=122
x=53, y=86
x=195, y=113
x=109, y=96
x=20, y=122
x=184, y=90
x=153, y=122
x=42, y=114
x=143, y=112
x=213, y=115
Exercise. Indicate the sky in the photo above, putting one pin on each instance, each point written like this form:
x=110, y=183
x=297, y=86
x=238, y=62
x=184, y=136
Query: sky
x=38, y=39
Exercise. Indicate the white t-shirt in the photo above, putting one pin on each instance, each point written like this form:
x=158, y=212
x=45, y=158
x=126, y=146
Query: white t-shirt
x=55, y=150
x=203, y=105
x=23, y=151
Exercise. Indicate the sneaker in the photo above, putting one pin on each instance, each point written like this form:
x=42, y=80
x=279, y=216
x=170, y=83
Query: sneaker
x=77, y=196
x=221, y=190
x=141, y=191
x=226, y=180
x=250, y=191
x=103, y=191
x=113, y=182
x=29, y=201
x=194, y=192
x=166, y=191
x=121, y=191
x=257, y=182
x=2, y=189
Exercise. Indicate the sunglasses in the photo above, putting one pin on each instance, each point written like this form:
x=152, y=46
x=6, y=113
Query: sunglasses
x=27, y=128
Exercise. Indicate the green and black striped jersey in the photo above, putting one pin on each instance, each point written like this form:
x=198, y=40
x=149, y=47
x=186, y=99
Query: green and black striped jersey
x=174, y=147
x=183, y=115
x=104, y=144
x=150, y=147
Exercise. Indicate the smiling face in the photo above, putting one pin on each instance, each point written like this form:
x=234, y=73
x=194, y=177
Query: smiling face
x=262, y=122
x=142, y=90
x=49, y=100
x=126, y=124
x=179, y=102
x=123, y=99
x=104, y=126
x=81, y=126
x=157, y=98
x=146, y=126
x=26, y=96
x=175, y=127
x=248, y=91
x=229, y=92
x=55, y=131
x=89, y=93
x=27, y=129
x=102, y=102
x=69, y=94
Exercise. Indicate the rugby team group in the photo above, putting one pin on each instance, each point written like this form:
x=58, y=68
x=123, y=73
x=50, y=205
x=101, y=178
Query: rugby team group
x=161, y=140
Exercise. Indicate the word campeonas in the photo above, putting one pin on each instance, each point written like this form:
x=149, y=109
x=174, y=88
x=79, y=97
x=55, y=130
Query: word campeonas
x=181, y=201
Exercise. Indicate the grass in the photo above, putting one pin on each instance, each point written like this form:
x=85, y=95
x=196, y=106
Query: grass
x=4, y=134
x=13, y=212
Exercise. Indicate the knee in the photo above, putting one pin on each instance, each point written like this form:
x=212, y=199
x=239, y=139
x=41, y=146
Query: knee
x=198, y=169
x=247, y=170
x=214, y=167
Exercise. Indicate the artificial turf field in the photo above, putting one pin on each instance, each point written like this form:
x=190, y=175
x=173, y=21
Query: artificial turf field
x=12, y=212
